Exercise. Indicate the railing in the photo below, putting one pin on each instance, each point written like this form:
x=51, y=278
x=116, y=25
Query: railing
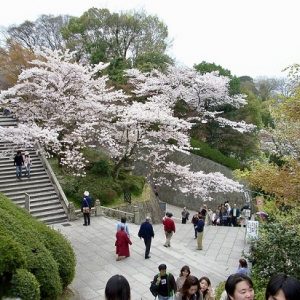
x=99, y=210
x=62, y=197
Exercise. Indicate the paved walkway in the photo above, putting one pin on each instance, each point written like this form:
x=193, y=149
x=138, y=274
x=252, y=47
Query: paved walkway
x=95, y=252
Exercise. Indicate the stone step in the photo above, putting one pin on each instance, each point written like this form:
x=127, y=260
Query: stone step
x=33, y=174
x=37, y=197
x=54, y=219
x=31, y=191
x=5, y=180
x=25, y=182
x=44, y=201
x=6, y=169
x=51, y=213
x=35, y=209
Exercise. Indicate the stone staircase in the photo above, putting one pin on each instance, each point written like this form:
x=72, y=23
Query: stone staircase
x=45, y=202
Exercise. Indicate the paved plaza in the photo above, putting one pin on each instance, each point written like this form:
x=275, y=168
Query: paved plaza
x=96, y=263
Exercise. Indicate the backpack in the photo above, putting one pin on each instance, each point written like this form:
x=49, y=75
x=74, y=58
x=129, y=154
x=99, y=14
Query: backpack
x=153, y=288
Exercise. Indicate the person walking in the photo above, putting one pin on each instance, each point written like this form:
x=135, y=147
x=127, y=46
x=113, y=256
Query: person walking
x=123, y=222
x=146, y=232
x=122, y=244
x=86, y=206
x=239, y=287
x=235, y=214
x=117, y=288
x=190, y=290
x=184, y=215
x=165, y=284
x=200, y=229
x=27, y=163
x=169, y=227
x=184, y=273
x=206, y=289
x=18, y=162
x=195, y=221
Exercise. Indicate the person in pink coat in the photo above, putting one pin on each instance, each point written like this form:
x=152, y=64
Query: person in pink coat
x=122, y=244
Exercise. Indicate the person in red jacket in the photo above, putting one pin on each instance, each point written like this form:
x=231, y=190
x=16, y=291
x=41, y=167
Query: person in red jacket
x=169, y=227
x=122, y=244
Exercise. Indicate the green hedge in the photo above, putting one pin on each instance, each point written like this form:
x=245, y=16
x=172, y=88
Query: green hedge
x=25, y=285
x=43, y=252
x=213, y=154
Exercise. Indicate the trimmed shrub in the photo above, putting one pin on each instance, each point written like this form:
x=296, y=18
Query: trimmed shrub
x=48, y=255
x=12, y=255
x=25, y=286
x=62, y=253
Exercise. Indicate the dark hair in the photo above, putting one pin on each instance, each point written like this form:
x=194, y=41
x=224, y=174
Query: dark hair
x=243, y=263
x=185, y=268
x=117, y=288
x=289, y=285
x=123, y=219
x=162, y=267
x=190, y=281
x=208, y=282
x=233, y=280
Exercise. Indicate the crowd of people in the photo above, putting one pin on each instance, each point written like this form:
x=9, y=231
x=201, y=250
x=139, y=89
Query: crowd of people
x=223, y=215
x=188, y=287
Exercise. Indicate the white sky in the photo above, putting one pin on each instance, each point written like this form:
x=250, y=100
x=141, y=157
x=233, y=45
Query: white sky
x=248, y=37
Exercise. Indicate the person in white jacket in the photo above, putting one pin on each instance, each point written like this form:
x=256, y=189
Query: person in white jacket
x=27, y=163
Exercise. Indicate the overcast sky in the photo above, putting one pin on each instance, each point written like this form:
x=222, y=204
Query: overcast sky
x=248, y=37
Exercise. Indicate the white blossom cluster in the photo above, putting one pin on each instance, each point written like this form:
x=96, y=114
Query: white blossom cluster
x=67, y=106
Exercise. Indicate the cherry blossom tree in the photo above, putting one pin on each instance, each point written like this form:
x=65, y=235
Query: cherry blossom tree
x=67, y=106
x=66, y=99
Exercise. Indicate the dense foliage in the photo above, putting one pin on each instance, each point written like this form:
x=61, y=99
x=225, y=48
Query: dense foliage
x=35, y=260
x=99, y=180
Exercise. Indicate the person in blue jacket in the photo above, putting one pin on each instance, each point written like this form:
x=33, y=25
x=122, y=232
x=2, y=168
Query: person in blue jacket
x=86, y=206
x=146, y=232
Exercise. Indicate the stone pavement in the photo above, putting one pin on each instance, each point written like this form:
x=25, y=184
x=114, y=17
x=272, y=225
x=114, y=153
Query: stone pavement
x=95, y=253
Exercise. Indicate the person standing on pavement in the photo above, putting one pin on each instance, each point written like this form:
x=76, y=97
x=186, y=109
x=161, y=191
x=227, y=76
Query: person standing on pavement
x=184, y=215
x=146, y=232
x=200, y=229
x=169, y=227
x=18, y=162
x=86, y=206
x=165, y=284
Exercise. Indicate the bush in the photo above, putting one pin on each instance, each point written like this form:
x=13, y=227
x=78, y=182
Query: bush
x=133, y=184
x=219, y=289
x=48, y=255
x=62, y=253
x=101, y=167
x=12, y=255
x=25, y=286
x=213, y=154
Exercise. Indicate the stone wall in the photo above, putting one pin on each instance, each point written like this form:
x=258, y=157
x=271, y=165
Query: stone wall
x=149, y=206
x=197, y=163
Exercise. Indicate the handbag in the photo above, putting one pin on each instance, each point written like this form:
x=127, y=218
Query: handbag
x=86, y=209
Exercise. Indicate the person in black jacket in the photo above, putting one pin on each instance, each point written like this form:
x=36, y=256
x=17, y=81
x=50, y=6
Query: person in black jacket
x=165, y=283
x=18, y=162
x=146, y=232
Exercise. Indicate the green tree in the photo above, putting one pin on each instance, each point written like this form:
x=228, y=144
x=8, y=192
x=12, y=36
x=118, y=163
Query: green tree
x=205, y=67
x=103, y=35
